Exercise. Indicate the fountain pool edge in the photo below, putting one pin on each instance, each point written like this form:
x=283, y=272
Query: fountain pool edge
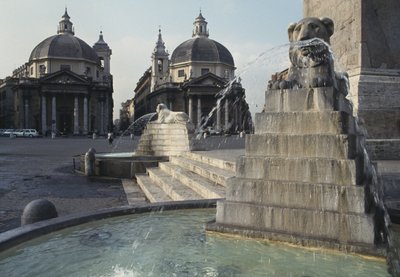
x=25, y=233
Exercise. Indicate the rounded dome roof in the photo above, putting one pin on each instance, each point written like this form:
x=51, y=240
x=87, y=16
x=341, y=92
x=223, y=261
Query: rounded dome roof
x=64, y=46
x=202, y=49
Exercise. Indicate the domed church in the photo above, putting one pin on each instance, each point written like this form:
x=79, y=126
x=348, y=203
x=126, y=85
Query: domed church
x=199, y=79
x=66, y=86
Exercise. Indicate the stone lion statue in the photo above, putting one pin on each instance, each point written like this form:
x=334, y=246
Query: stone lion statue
x=165, y=115
x=310, y=56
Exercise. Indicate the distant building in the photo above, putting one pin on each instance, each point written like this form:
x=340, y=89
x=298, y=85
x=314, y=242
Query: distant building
x=199, y=79
x=65, y=86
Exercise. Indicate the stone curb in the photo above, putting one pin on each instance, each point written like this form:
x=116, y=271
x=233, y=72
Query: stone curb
x=22, y=234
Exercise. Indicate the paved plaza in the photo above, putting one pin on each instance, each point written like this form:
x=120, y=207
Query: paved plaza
x=43, y=168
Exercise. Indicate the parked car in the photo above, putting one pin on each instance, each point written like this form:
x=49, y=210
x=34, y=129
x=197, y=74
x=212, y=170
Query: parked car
x=18, y=133
x=30, y=133
x=8, y=132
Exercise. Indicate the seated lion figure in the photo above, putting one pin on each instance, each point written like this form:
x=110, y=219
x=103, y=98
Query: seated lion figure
x=165, y=115
x=310, y=56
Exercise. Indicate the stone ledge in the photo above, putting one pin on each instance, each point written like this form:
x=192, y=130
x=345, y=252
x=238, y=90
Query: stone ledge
x=298, y=240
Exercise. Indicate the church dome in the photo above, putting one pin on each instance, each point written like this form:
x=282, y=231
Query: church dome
x=64, y=46
x=202, y=49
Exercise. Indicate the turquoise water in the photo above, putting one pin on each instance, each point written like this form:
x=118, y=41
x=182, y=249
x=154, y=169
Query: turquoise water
x=171, y=243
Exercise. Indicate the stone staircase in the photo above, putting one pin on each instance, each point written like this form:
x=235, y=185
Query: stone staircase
x=188, y=176
x=303, y=178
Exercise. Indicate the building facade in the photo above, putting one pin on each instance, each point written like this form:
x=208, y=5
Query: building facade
x=66, y=86
x=198, y=79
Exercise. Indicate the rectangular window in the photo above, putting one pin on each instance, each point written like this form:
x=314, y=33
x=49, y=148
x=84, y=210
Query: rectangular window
x=65, y=67
x=204, y=71
x=181, y=73
x=42, y=69
x=31, y=70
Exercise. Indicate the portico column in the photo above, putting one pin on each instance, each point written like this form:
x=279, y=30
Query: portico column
x=190, y=108
x=85, y=116
x=76, y=116
x=44, y=115
x=102, y=117
x=198, y=111
x=226, y=114
x=218, y=125
x=106, y=115
x=53, y=114
x=26, y=113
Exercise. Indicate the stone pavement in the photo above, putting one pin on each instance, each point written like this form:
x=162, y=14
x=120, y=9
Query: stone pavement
x=43, y=168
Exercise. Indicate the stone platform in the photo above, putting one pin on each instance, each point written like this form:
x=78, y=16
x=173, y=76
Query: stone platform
x=304, y=177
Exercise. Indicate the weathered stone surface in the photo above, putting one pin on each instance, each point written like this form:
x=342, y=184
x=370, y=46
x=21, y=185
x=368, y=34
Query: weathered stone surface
x=318, y=170
x=304, y=123
x=366, y=46
x=384, y=149
x=346, y=228
x=287, y=145
x=305, y=99
x=164, y=139
x=324, y=197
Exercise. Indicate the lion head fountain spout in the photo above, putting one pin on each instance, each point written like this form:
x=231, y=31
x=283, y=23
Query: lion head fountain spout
x=310, y=56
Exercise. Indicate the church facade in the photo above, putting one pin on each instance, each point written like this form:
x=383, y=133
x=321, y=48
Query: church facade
x=198, y=79
x=66, y=86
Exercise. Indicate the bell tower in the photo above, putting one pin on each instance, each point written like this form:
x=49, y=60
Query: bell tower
x=65, y=26
x=200, y=27
x=104, y=52
x=160, y=63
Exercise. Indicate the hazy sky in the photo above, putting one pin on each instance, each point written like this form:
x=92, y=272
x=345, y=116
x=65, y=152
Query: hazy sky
x=253, y=31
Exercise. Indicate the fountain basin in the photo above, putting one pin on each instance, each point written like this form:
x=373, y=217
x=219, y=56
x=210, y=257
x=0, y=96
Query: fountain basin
x=121, y=165
x=161, y=242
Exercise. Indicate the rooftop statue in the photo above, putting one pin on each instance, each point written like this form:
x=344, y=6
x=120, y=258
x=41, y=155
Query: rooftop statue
x=165, y=115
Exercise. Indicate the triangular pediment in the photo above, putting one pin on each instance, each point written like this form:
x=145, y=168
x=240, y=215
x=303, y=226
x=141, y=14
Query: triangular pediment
x=208, y=79
x=64, y=77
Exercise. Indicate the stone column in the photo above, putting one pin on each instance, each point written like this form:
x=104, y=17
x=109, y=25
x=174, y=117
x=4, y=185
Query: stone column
x=26, y=113
x=85, y=116
x=190, y=108
x=76, y=116
x=53, y=114
x=198, y=111
x=44, y=115
x=101, y=118
x=226, y=114
x=218, y=124
x=106, y=115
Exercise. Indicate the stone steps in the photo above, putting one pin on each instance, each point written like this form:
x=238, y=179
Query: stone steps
x=223, y=164
x=342, y=227
x=322, y=197
x=304, y=176
x=133, y=193
x=171, y=186
x=308, y=145
x=179, y=179
x=315, y=170
x=309, y=122
x=210, y=172
x=152, y=191
x=200, y=185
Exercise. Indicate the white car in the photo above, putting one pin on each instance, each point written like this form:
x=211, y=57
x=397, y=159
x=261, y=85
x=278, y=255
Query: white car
x=30, y=133
x=7, y=132
x=17, y=133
